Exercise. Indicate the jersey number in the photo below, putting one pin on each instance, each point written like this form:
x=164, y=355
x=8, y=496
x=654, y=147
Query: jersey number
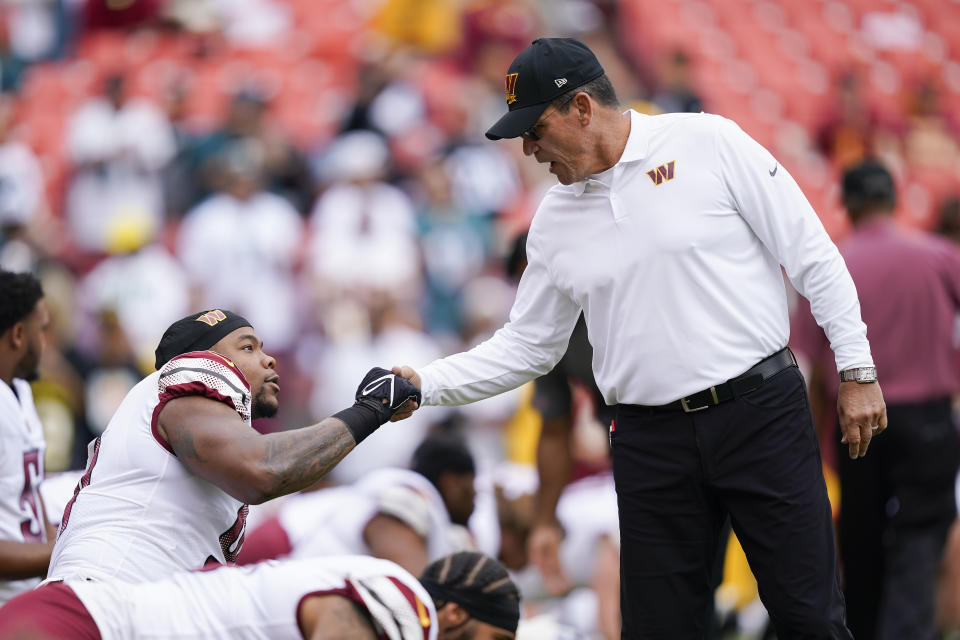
x=32, y=526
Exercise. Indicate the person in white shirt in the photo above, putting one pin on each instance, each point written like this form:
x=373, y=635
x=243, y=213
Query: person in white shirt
x=167, y=484
x=118, y=146
x=465, y=596
x=224, y=267
x=25, y=540
x=669, y=233
x=409, y=516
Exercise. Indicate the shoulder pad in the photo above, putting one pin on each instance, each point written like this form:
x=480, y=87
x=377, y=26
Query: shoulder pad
x=206, y=373
x=395, y=607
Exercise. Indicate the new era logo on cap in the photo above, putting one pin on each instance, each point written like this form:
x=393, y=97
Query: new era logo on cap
x=545, y=70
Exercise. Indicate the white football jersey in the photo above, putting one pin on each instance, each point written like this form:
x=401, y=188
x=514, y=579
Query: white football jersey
x=21, y=471
x=331, y=521
x=138, y=514
x=261, y=601
x=587, y=511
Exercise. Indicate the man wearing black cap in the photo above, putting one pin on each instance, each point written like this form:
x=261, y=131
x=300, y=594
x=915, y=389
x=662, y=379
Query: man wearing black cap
x=668, y=232
x=167, y=483
x=897, y=505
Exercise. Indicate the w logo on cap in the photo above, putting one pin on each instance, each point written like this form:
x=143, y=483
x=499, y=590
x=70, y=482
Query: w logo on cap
x=511, y=87
x=211, y=317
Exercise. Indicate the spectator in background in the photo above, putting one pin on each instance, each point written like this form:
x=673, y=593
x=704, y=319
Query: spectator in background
x=23, y=206
x=11, y=65
x=110, y=14
x=852, y=130
x=284, y=169
x=897, y=503
x=930, y=141
x=676, y=93
x=244, y=239
x=362, y=228
x=504, y=26
x=29, y=32
x=455, y=242
x=388, y=101
x=179, y=179
x=118, y=147
x=143, y=285
x=26, y=540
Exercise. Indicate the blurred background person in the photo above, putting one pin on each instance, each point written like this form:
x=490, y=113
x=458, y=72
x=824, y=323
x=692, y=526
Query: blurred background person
x=26, y=539
x=898, y=503
x=118, y=146
x=411, y=517
x=241, y=239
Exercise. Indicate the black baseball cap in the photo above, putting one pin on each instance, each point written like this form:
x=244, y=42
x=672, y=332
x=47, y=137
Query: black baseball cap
x=196, y=332
x=548, y=68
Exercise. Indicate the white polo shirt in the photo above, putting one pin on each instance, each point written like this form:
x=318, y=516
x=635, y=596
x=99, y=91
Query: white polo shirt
x=674, y=256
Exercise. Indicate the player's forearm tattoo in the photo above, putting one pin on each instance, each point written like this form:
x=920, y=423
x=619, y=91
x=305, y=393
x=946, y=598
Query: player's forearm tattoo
x=296, y=459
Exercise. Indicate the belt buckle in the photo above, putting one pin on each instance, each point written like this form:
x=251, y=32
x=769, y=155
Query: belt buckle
x=685, y=405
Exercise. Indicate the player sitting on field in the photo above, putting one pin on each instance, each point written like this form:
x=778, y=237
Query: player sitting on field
x=167, y=483
x=465, y=596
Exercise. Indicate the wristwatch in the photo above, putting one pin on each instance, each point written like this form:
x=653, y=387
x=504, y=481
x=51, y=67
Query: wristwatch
x=860, y=375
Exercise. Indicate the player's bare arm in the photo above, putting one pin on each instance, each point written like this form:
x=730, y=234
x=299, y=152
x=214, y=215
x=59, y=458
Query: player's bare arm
x=390, y=538
x=213, y=441
x=332, y=617
x=20, y=560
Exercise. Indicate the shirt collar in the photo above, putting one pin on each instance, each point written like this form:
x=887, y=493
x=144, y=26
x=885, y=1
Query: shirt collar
x=636, y=149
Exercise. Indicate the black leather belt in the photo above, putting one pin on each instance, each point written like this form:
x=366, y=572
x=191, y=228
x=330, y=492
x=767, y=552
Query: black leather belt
x=751, y=379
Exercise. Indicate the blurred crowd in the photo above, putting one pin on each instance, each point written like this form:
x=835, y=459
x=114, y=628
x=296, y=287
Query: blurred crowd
x=320, y=168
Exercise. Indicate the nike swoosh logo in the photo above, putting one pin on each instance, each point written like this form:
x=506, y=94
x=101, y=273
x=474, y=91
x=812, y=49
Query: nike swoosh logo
x=370, y=388
x=774, y=172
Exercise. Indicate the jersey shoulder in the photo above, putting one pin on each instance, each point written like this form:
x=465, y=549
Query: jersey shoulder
x=395, y=600
x=208, y=374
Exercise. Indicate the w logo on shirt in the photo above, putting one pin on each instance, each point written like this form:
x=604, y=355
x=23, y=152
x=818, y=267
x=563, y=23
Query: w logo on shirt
x=211, y=317
x=661, y=173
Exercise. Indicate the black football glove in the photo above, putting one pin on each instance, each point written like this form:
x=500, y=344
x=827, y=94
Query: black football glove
x=380, y=385
x=379, y=396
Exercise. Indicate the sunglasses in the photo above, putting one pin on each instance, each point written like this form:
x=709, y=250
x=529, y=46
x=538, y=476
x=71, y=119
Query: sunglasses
x=531, y=133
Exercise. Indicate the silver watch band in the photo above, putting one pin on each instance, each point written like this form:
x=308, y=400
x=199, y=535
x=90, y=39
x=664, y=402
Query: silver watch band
x=862, y=375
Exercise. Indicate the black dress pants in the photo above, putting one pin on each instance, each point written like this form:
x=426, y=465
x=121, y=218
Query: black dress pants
x=897, y=505
x=678, y=475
